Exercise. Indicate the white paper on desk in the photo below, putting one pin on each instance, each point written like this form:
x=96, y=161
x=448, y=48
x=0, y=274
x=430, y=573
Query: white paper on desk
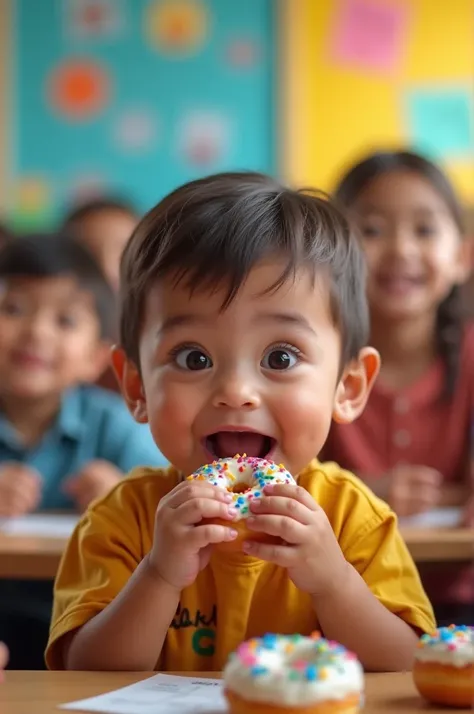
x=161, y=694
x=436, y=518
x=40, y=525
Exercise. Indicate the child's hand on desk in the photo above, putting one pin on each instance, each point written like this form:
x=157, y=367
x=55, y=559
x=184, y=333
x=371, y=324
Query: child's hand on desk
x=413, y=489
x=310, y=551
x=182, y=545
x=20, y=489
x=96, y=479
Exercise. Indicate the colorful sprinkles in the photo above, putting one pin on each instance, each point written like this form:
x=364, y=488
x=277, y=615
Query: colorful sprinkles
x=240, y=472
x=320, y=657
x=451, y=637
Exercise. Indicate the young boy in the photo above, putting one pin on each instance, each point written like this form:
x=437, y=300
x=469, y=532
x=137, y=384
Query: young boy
x=63, y=443
x=242, y=330
x=104, y=226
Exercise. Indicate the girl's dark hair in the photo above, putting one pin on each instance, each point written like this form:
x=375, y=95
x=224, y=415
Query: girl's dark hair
x=450, y=317
x=54, y=255
x=213, y=231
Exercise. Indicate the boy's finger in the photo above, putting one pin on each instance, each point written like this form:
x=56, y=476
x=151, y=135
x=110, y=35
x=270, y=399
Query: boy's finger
x=194, y=511
x=282, y=527
x=282, y=555
x=291, y=491
x=73, y=485
x=202, y=536
x=280, y=505
x=197, y=490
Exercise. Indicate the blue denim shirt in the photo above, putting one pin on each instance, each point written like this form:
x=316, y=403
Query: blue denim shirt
x=92, y=424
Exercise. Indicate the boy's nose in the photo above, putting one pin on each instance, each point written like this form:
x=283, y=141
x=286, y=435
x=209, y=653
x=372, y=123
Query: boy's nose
x=236, y=393
x=36, y=327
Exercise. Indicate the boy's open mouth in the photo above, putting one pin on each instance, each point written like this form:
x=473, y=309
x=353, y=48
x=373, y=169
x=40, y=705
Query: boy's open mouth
x=226, y=444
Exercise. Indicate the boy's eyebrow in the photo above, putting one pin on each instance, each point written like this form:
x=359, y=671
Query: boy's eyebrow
x=282, y=318
x=286, y=318
x=181, y=321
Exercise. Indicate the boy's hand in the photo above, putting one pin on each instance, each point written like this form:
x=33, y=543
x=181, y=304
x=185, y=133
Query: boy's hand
x=468, y=513
x=182, y=544
x=20, y=489
x=93, y=481
x=413, y=489
x=310, y=551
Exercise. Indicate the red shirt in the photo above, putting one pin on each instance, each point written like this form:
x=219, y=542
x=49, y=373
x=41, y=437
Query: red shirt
x=416, y=425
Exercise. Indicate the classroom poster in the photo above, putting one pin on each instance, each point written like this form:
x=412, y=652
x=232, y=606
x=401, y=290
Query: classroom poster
x=134, y=97
x=373, y=74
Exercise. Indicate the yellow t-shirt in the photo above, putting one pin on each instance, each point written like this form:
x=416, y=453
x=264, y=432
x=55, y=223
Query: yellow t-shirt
x=235, y=597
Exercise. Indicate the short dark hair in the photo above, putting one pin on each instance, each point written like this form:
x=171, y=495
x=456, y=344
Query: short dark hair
x=52, y=255
x=215, y=230
x=96, y=206
x=450, y=318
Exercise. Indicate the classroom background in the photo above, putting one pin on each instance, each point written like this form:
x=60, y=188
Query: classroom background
x=128, y=99
x=134, y=97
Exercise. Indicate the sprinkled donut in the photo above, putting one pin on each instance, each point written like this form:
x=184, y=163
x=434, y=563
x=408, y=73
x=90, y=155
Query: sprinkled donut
x=245, y=477
x=293, y=672
x=444, y=666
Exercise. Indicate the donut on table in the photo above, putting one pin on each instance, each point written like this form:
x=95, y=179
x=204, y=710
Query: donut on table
x=281, y=673
x=245, y=477
x=444, y=666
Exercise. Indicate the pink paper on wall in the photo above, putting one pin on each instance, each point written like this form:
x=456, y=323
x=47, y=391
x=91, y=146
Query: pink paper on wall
x=370, y=34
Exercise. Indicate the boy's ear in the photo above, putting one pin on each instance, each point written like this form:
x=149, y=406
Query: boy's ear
x=355, y=385
x=128, y=377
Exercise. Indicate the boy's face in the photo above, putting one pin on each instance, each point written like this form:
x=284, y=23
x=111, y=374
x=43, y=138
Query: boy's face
x=106, y=234
x=261, y=377
x=49, y=337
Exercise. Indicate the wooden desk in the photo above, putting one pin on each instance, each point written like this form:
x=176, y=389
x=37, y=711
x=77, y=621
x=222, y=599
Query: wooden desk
x=440, y=544
x=38, y=558
x=30, y=558
x=41, y=692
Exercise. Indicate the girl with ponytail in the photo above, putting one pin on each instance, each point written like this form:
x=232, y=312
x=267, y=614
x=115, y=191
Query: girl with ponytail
x=412, y=444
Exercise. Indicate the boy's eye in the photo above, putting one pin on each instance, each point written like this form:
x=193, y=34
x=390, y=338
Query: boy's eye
x=12, y=308
x=193, y=359
x=425, y=231
x=66, y=321
x=279, y=359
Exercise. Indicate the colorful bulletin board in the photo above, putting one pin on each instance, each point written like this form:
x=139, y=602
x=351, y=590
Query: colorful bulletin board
x=135, y=97
x=365, y=74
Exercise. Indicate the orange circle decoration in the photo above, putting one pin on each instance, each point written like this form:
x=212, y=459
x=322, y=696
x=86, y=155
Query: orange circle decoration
x=176, y=27
x=79, y=89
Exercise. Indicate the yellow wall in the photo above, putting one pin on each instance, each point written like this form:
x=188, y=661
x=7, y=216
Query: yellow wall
x=334, y=113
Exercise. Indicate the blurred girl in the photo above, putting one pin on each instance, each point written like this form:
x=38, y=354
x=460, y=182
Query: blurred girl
x=412, y=445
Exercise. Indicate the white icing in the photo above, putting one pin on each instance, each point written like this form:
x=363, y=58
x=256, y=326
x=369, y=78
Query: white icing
x=249, y=471
x=451, y=646
x=336, y=672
